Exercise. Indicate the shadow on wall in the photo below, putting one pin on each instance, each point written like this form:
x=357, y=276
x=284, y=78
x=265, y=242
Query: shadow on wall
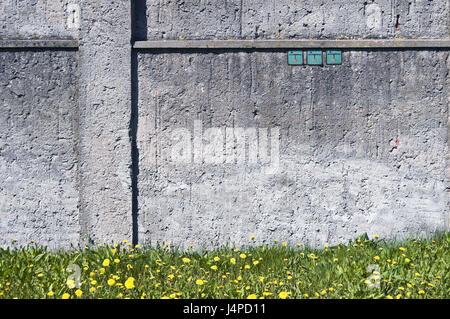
x=139, y=14
x=139, y=33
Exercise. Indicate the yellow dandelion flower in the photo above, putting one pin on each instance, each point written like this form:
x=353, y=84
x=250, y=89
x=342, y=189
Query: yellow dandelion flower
x=283, y=294
x=186, y=260
x=78, y=293
x=284, y=244
x=216, y=259
x=421, y=292
x=243, y=256
x=255, y=262
x=65, y=296
x=214, y=267
x=389, y=297
x=252, y=237
x=92, y=289
x=111, y=282
x=117, y=260
x=129, y=283
x=233, y=261
x=376, y=257
x=247, y=266
x=376, y=236
x=199, y=282
x=50, y=294
x=252, y=296
x=40, y=275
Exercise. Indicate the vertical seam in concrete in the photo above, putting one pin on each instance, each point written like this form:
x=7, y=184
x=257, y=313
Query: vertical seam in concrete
x=134, y=122
x=134, y=148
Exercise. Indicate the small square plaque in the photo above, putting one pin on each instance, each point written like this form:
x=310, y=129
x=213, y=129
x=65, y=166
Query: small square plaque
x=295, y=57
x=314, y=57
x=334, y=57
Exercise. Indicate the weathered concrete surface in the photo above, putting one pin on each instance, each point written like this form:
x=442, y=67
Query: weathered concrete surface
x=363, y=147
x=105, y=102
x=271, y=19
x=39, y=19
x=38, y=148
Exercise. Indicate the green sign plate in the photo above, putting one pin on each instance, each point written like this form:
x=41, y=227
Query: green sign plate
x=334, y=57
x=314, y=57
x=295, y=57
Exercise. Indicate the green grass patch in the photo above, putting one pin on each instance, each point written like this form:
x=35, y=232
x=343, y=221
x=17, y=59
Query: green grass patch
x=363, y=268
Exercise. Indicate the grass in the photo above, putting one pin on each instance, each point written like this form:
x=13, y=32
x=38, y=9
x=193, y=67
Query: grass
x=363, y=268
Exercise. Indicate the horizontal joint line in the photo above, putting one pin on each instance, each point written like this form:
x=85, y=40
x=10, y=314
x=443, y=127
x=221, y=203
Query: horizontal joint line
x=46, y=44
x=294, y=44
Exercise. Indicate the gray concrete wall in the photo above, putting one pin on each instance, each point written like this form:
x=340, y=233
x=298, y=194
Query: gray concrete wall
x=89, y=135
x=362, y=148
x=38, y=147
x=38, y=19
x=105, y=108
x=274, y=19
